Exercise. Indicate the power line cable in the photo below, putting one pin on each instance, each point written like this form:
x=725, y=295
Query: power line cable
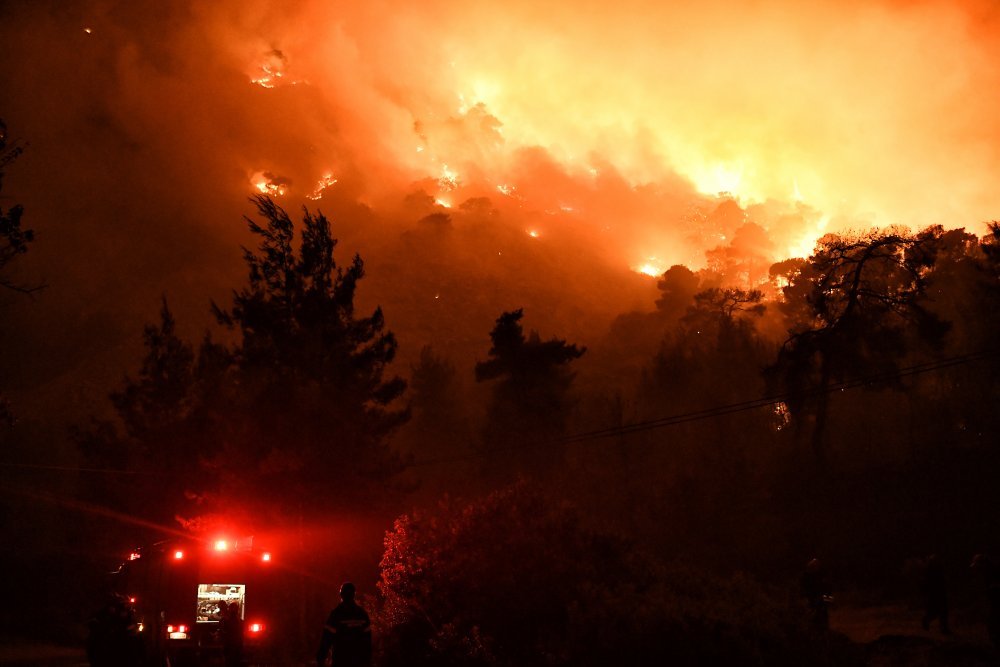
x=634, y=427
x=723, y=410
x=775, y=399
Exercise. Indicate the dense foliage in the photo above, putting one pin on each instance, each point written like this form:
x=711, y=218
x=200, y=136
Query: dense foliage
x=517, y=579
x=530, y=401
x=292, y=417
x=14, y=241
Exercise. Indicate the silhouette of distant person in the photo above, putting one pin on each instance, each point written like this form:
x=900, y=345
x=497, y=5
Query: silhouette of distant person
x=935, y=594
x=816, y=590
x=113, y=639
x=984, y=566
x=347, y=632
x=231, y=628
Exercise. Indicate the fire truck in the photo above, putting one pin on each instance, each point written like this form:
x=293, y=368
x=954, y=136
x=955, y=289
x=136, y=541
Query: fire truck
x=179, y=591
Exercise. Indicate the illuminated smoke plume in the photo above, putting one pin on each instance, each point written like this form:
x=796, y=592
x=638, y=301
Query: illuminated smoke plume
x=863, y=112
x=581, y=134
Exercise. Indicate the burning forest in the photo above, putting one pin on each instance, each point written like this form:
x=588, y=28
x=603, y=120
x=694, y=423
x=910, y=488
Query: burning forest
x=570, y=334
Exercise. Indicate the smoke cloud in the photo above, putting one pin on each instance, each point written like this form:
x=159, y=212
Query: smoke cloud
x=480, y=156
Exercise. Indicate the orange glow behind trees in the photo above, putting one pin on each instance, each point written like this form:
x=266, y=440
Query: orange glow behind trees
x=870, y=113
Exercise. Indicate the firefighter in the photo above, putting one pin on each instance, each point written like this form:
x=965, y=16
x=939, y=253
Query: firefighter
x=113, y=639
x=816, y=590
x=987, y=569
x=231, y=628
x=347, y=632
x=935, y=594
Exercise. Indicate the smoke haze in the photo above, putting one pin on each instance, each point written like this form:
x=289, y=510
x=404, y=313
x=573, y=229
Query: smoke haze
x=480, y=156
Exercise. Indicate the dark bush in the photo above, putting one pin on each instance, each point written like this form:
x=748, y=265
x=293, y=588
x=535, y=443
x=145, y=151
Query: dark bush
x=515, y=579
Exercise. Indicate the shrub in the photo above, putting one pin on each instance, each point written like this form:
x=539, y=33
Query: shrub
x=516, y=579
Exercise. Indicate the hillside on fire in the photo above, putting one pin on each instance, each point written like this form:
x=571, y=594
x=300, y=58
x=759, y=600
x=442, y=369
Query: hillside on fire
x=593, y=335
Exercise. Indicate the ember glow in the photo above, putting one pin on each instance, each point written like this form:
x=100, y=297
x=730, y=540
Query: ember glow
x=652, y=267
x=324, y=183
x=267, y=183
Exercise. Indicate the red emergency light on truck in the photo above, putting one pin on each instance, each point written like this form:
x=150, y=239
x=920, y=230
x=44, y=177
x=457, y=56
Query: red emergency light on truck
x=180, y=590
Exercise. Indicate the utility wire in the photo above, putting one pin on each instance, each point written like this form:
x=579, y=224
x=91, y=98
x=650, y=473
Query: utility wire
x=775, y=399
x=635, y=427
x=723, y=410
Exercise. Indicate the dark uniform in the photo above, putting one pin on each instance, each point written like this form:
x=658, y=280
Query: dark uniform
x=936, y=594
x=347, y=632
x=231, y=629
x=987, y=569
x=114, y=639
x=816, y=590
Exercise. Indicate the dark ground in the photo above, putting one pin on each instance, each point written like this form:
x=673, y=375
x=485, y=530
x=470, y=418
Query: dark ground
x=891, y=634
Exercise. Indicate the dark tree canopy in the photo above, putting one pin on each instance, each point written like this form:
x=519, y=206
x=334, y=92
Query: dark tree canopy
x=745, y=260
x=296, y=321
x=714, y=343
x=294, y=416
x=532, y=380
x=14, y=239
x=677, y=286
x=713, y=357
x=853, y=310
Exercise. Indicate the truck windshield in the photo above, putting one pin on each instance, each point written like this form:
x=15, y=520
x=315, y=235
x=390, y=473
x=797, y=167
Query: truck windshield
x=214, y=598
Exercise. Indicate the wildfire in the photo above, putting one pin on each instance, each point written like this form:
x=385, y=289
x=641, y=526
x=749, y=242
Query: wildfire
x=271, y=72
x=448, y=180
x=720, y=179
x=763, y=103
x=268, y=184
x=270, y=77
x=652, y=267
x=803, y=247
x=322, y=185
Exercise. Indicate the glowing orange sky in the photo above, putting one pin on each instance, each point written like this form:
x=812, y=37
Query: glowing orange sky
x=598, y=132
x=868, y=112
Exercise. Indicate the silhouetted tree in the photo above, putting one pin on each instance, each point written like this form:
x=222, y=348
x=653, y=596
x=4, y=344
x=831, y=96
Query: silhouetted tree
x=703, y=474
x=635, y=337
x=438, y=405
x=161, y=394
x=158, y=437
x=294, y=416
x=745, y=259
x=304, y=349
x=715, y=343
x=851, y=308
x=781, y=273
x=677, y=286
x=440, y=429
x=531, y=396
x=989, y=286
x=14, y=241
x=963, y=289
x=434, y=387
